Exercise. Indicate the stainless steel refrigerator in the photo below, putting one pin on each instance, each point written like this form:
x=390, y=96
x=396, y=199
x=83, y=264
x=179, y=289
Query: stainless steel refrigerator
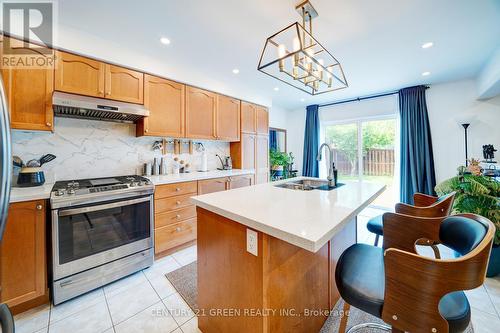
x=6, y=320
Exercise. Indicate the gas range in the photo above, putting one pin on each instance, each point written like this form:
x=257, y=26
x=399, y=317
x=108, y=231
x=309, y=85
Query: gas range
x=84, y=191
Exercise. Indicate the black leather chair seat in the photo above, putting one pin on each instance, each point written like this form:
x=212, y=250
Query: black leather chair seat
x=375, y=225
x=361, y=282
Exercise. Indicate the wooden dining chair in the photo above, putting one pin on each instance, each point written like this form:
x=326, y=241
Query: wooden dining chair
x=411, y=292
x=424, y=206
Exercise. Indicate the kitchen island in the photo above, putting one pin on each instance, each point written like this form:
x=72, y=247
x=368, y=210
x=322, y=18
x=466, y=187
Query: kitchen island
x=289, y=285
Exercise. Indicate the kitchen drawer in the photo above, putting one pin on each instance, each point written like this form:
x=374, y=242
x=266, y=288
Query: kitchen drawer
x=170, y=190
x=168, y=204
x=174, y=235
x=174, y=216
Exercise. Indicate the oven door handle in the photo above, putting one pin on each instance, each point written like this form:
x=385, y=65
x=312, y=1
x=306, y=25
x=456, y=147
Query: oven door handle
x=82, y=210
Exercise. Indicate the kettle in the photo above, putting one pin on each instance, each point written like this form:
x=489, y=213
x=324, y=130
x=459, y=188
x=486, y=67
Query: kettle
x=227, y=163
x=31, y=174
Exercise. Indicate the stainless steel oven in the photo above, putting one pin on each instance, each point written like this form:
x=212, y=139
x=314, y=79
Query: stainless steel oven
x=96, y=241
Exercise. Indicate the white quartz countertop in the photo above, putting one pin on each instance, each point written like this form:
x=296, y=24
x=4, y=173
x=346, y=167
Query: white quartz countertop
x=18, y=194
x=308, y=219
x=197, y=175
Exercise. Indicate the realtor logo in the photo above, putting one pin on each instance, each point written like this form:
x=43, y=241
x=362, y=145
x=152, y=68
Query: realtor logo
x=30, y=26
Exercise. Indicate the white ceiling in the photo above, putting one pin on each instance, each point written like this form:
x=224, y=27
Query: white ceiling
x=377, y=42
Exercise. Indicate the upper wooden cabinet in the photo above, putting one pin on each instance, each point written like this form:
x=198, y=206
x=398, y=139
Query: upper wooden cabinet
x=201, y=108
x=84, y=76
x=79, y=75
x=165, y=101
x=228, y=118
x=248, y=117
x=29, y=96
x=262, y=120
x=23, y=256
x=124, y=84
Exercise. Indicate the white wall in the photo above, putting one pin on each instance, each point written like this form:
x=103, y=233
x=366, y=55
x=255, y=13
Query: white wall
x=449, y=103
x=446, y=104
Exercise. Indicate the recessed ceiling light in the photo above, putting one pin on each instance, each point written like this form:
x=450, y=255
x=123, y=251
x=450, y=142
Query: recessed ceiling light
x=302, y=99
x=427, y=45
x=276, y=88
x=165, y=40
x=236, y=71
x=426, y=73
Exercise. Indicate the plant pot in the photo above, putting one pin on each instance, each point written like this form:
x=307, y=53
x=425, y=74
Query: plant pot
x=277, y=170
x=494, y=264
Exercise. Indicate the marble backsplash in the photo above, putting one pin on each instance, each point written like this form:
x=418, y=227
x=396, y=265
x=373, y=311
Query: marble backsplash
x=91, y=149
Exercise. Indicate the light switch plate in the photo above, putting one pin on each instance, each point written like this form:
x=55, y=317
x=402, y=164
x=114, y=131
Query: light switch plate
x=252, y=242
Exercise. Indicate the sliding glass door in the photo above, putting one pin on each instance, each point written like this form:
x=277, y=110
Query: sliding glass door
x=365, y=150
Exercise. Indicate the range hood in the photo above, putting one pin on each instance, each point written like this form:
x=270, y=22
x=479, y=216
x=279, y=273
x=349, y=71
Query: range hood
x=76, y=106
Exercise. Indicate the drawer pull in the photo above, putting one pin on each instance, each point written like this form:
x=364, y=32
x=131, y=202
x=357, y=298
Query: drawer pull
x=39, y=207
x=177, y=216
x=178, y=229
x=177, y=189
x=177, y=202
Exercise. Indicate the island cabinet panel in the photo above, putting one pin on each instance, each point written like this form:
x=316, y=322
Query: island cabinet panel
x=175, y=217
x=240, y=181
x=262, y=159
x=29, y=96
x=212, y=185
x=262, y=120
x=23, y=257
x=229, y=277
x=165, y=101
x=79, y=75
x=228, y=118
x=124, y=84
x=201, y=107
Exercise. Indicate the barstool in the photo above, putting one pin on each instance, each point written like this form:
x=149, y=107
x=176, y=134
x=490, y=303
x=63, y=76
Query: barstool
x=425, y=206
x=410, y=292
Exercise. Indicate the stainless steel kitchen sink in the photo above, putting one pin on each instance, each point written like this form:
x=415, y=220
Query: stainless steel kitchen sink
x=308, y=185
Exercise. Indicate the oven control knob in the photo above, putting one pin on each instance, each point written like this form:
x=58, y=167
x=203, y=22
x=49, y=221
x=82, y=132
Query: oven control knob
x=71, y=191
x=142, y=183
x=133, y=184
x=59, y=193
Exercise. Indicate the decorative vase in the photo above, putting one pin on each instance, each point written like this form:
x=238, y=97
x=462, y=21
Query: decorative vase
x=494, y=264
x=277, y=170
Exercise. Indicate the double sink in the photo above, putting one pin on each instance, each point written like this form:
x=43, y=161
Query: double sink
x=308, y=185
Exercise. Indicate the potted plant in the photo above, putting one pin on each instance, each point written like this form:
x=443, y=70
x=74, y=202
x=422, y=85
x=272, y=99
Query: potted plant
x=278, y=160
x=479, y=195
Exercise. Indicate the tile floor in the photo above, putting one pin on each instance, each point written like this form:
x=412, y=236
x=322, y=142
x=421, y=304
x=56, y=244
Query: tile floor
x=147, y=302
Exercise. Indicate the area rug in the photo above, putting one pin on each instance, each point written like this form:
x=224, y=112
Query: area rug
x=184, y=281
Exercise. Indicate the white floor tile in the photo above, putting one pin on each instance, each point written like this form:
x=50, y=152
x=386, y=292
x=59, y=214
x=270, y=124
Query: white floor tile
x=123, y=284
x=75, y=305
x=131, y=301
x=177, y=331
x=161, y=267
x=185, y=256
x=32, y=320
x=93, y=319
x=178, y=308
x=155, y=319
x=191, y=326
x=484, y=322
x=479, y=299
x=162, y=286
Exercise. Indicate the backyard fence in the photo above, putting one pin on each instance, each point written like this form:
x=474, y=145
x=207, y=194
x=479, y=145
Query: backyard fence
x=376, y=162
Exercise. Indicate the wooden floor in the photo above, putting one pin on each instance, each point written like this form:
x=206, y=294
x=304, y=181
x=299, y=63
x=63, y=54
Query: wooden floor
x=283, y=289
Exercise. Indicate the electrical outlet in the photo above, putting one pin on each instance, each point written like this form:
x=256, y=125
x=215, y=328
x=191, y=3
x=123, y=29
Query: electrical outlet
x=252, y=242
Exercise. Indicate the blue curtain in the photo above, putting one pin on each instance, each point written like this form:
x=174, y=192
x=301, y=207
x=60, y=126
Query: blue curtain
x=417, y=161
x=273, y=140
x=311, y=142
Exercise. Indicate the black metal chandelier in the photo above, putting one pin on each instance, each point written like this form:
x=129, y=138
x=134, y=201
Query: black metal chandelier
x=295, y=57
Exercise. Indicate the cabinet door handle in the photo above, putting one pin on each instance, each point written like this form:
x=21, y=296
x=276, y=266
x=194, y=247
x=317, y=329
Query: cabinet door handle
x=146, y=130
x=101, y=92
x=39, y=207
x=48, y=124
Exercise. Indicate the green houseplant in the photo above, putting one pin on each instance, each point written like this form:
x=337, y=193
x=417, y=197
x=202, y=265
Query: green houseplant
x=278, y=161
x=477, y=194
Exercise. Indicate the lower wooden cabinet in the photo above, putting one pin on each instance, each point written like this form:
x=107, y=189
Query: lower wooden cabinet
x=23, y=257
x=241, y=181
x=212, y=185
x=171, y=236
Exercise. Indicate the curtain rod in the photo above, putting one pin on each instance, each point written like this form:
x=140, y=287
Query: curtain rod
x=358, y=99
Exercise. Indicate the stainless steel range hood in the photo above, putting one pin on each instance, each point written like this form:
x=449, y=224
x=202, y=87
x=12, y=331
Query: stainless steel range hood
x=76, y=106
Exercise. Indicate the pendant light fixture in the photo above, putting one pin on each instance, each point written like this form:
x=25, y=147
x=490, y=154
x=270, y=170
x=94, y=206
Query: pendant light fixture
x=295, y=57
